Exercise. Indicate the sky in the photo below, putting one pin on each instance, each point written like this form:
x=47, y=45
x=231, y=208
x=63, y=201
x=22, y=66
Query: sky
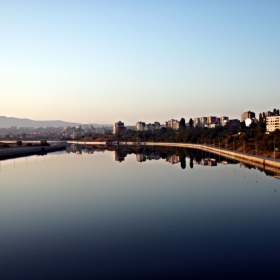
x=105, y=61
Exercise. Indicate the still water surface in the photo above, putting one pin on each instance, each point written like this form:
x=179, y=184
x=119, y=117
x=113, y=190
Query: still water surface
x=70, y=216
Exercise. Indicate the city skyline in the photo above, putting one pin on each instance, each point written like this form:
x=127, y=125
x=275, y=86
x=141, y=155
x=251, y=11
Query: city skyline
x=104, y=61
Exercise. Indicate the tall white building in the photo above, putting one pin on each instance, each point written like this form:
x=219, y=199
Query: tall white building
x=174, y=124
x=118, y=127
x=224, y=120
x=272, y=123
x=203, y=121
x=140, y=126
x=157, y=125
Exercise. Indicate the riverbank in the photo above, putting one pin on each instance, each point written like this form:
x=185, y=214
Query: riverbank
x=24, y=151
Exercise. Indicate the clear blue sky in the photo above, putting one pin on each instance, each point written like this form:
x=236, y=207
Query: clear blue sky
x=104, y=61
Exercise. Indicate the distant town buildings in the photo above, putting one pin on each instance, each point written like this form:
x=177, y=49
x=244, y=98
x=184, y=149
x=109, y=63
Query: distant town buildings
x=269, y=118
x=52, y=133
x=213, y=121
x=200, y=122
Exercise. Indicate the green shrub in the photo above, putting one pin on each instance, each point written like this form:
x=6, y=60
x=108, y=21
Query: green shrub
x=19, y=143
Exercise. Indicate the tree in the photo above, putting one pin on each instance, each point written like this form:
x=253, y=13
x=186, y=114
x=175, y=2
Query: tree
x=44, y=143
x=260, y=118
x=19, y=143
x=191, y=162
x=183, y=162
x=198, y=123
x=191, y=123
x=182, y=124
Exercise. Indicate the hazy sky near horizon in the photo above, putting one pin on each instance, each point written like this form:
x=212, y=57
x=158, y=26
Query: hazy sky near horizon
x=104, y=61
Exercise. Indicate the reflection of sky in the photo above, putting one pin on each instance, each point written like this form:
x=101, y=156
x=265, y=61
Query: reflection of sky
x=89, y=213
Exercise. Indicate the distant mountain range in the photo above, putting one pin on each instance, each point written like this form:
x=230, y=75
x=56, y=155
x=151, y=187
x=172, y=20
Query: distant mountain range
x=6, y=122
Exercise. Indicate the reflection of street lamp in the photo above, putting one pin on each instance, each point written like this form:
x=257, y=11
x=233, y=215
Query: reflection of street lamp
x=274, y=150
x=256, y=148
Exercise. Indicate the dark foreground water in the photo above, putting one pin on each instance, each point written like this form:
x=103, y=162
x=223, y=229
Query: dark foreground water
x=71, y=216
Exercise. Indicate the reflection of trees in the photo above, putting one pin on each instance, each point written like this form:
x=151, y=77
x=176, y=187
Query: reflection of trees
x=170, y=154
x=151, y=152
x=183, y=161
x=191, y=162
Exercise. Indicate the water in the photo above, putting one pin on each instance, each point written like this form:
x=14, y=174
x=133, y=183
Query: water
x=72, y=216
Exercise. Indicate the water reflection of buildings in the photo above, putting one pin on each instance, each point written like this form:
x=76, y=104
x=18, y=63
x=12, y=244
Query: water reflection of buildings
x=152, y=156
x=120, y=155
x=173, y=159
x=78, y=149
x=140, y=157
x=208, y=161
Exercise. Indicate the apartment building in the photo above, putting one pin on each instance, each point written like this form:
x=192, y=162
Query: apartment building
x=157, y=125
x=140, y=126
x=224, y=120
x=247, y=115
x=272, y=123
x=174, y=124
x=211, y=120
x=119, y=127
